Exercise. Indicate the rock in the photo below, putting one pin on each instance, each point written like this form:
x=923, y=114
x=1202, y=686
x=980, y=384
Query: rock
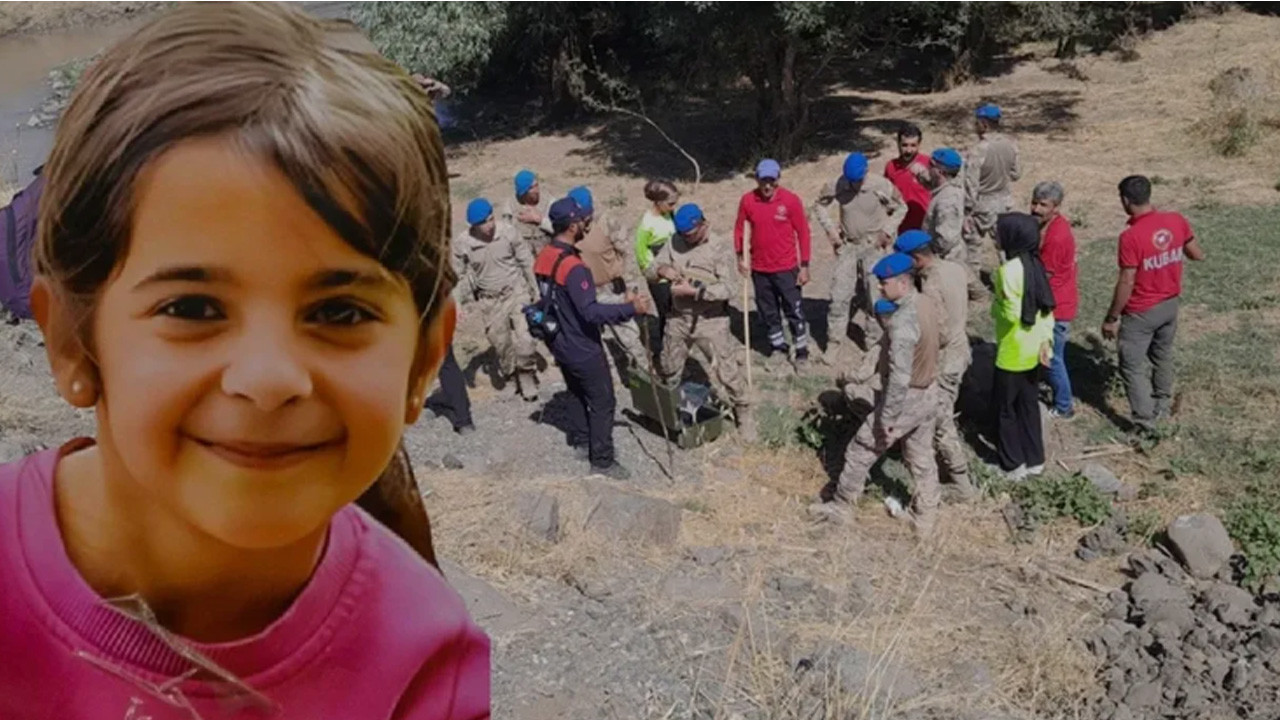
x=1143, y=696
x=859, y=596
x=708, y=590
x=1102, y=478
x=539, y=515
x=1238, y=677
x=1200, y=543
x=1152, y=592
x=1195, y=698
x=1231, y=604
x=634, y=518
x=1180, y=617
x=1218, y=669
x=452, y=462
x=708, y=556
x=491, y=610
x=793, y=589
x=10, y=451
x=1122, y=712
x=33, y=121
x=1267, y=641
x=860, y=673
x=1105, y=540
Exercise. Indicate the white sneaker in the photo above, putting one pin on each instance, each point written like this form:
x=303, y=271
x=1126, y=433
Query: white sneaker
x=1018, y=474
x=1035, y=471
x=894, y=506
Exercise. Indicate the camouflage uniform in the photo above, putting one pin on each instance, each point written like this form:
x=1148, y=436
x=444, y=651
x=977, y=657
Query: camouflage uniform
x=989, y=173
x=605, y=252
x=945, y=282
x=703, y=321
x=536, y=236
x=498, y=277
x=907, y=410
x=867, y=217
x=944, y=221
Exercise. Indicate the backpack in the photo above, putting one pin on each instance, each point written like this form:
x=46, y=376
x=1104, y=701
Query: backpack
x=541, y=316
x=17, y=237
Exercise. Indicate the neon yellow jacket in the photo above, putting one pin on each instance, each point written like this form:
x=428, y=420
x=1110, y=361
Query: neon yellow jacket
x=1017, y=347
x=654, y=232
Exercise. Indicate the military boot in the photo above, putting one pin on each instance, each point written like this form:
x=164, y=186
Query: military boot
x=527, y=385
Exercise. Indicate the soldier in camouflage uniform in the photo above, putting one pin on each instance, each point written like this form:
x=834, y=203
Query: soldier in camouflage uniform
x=907, y=408
x=990, y=171
x=944, y=220
x=496, y=273
x=945, y=282
x=871, y=209
x=528, y=214
x=704, y=277
x=604, y=251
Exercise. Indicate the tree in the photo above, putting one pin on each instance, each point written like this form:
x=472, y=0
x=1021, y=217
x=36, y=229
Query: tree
x=439, y=39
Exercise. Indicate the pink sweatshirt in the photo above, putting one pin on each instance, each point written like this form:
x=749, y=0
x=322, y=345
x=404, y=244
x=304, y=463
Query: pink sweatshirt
x=376, y=633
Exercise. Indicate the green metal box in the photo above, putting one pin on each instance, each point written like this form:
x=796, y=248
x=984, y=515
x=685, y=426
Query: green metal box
x=662, y=404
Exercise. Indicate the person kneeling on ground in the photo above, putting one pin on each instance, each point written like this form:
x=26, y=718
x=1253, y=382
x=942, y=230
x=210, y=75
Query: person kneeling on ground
x=495, y=272
x=1022, y=308
x=565, y=283
x=703, y=279
x=908, y=408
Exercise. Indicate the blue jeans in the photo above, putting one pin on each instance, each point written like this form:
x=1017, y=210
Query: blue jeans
x=1058, y=380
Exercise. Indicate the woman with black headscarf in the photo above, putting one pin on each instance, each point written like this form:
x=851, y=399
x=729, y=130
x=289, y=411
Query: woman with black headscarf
x=1022, y=308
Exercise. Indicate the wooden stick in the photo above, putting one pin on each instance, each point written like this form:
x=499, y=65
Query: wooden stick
x=1089, y=584
x=1100, y=453
x=746, y=310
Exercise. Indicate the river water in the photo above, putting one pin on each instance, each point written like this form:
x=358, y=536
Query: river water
x=27, y=60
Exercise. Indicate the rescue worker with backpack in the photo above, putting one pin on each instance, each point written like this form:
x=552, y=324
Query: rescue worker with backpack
x=568, y=317
x=17, y=236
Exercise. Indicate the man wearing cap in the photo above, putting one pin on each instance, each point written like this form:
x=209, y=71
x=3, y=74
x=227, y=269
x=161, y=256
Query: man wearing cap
x=946, y=283
x=1144, y=305
x=909, y=172
x=566, y=284
x=944, y=220
x=871, y=209
x=990, y=171
x=495, y=271
x=703, y=279
x=604, y=251
x=908, y=406
x=779, y=256
x=528, y=215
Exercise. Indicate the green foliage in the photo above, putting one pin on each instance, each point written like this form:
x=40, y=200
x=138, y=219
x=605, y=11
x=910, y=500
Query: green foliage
x=453, y=41
x=1142, y=526
x=1048, y=498
x=1238, y=135
x=1255, y=525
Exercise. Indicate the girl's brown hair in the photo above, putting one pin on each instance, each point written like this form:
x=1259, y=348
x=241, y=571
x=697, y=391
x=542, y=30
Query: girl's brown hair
x=660, y=191
x=350, y=129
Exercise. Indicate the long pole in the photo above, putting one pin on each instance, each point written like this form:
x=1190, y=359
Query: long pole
x=746, y=307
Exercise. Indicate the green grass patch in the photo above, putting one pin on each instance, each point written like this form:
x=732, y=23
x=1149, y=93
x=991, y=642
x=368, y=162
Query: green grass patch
x=1049, y=497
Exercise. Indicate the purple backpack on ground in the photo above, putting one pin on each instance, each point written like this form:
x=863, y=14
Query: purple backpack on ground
x=17, y=236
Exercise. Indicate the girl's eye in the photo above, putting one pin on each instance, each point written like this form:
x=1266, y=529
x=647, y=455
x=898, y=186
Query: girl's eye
x=340, y=312
x=193, y=307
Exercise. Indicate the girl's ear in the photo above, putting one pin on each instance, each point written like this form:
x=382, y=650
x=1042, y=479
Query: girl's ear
x=433, y=343
x=72, y=368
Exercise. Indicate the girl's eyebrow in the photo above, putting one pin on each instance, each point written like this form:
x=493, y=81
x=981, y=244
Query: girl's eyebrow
x=324, y=279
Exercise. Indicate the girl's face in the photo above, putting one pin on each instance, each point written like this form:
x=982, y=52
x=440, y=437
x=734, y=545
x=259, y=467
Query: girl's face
x=256, y=370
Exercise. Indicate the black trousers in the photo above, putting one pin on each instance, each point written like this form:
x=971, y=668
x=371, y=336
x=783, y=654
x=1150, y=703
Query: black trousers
x=454, y=403
x=657, y=326
x=1019, y=440
x=590, y=416
x=778, y=294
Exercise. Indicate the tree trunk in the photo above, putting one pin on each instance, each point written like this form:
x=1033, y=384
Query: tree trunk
x=783, y=105
x=564, y=92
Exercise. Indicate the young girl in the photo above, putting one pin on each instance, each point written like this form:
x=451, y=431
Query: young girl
x=655, y=229
x=242, y=267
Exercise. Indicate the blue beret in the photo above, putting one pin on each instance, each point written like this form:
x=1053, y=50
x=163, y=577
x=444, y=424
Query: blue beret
x=524, y=180
x=582, y=196
x=768, y=169
x=911, y=241
x=988, y=112
x=478, y=211
x=563, y=213
x=855, y=167
x=893, y=266
x=687, y=218
x=947, y=158
x=884, y=306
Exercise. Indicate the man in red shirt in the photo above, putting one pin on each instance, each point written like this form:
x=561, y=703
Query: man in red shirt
x=1144, y=307
x=779, y=256
x=909, y=172
x=1058, y=253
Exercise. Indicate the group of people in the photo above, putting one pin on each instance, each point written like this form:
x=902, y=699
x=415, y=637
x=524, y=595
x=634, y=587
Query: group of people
x=914, y=248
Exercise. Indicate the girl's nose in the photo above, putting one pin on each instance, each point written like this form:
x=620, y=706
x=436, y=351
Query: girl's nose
x=266, y=368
